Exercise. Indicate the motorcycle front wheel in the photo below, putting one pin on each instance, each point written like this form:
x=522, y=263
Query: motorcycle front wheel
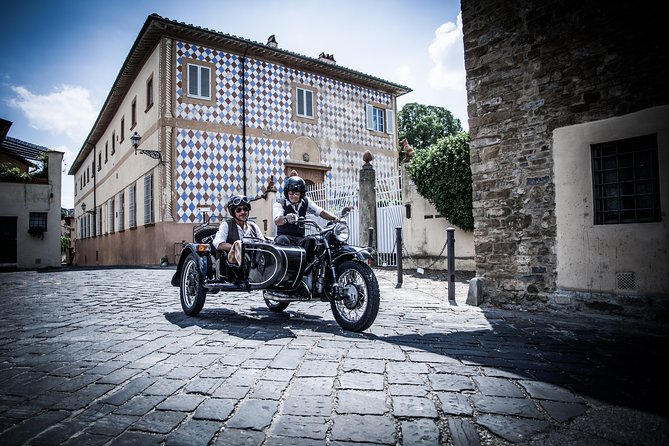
x=191, y=287
x=357, y=309
x=275, y=306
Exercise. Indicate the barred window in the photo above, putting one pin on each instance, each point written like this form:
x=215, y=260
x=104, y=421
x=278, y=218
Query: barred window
x=37, y=220
x=148, y=199
x=626, y=181
x=132, y=208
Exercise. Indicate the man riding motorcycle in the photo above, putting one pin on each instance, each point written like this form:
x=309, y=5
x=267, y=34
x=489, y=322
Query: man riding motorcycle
x=286, y=211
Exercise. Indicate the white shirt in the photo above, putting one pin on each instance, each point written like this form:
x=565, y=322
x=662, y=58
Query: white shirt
x=222, y=234
x=313, y=208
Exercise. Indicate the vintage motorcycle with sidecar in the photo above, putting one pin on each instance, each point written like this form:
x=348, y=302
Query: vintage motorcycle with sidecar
x=327, y=270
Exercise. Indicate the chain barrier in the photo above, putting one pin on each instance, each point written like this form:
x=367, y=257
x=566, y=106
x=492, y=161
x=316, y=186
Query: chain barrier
x=406, y=251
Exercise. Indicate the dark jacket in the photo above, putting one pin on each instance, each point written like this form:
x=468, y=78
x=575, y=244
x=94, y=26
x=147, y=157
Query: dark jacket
x=289, y=229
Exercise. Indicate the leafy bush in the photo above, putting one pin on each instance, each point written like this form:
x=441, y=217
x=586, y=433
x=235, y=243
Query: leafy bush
x=442, y=175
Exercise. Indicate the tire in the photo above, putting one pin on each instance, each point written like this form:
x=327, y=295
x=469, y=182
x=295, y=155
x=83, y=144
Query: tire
x=202, y=232
x=191, y=289
x=275, y=305
x=360, y=305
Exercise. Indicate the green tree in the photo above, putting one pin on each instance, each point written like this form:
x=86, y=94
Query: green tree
x=442, y=175
x=423, y=125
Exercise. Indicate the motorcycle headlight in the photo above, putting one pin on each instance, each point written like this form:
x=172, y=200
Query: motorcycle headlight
x=340, y=232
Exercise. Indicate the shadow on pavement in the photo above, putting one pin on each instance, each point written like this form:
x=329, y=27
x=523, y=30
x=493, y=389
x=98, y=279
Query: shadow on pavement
x=618, y=368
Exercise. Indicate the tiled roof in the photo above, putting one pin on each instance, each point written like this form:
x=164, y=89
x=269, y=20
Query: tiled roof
x=22, y=149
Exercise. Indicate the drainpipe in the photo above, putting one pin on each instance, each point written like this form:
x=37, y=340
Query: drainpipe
x=244, y=118
x=95, y=180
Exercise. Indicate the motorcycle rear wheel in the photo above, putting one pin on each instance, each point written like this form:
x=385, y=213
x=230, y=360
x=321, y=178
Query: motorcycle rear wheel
x=191, y=287
x=360, y=305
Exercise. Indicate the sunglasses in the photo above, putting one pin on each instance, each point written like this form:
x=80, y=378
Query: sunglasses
x=241, y=209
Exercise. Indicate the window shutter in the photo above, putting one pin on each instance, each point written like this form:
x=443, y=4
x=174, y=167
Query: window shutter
x=132, y=209
x=369, y=110
x=192, y=80
x=148, y=199
x=205, y=81
x=309, y=103
x=390, y=121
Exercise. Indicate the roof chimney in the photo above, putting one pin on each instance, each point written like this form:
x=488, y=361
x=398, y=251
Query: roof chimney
x=327, y=58
x=271, y=42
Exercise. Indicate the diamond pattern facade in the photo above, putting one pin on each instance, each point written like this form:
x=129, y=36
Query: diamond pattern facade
x=209, y=165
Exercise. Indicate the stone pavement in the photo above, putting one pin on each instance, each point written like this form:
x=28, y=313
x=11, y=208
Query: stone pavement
x=107, y=357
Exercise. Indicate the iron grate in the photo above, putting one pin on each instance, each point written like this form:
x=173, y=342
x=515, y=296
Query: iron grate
x=626, y=281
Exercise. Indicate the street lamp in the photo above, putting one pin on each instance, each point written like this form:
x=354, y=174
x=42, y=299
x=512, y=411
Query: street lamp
x=136, y=140
x=83, y=209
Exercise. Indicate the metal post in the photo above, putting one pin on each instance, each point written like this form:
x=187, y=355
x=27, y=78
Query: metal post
x=450, y=240
x=398, y=237
x=370, y=235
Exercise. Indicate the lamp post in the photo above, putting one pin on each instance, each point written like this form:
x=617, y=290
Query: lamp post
x=136, y=140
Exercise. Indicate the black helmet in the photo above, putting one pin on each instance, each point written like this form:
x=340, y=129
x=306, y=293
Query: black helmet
x=294, y=183
x=235, y=201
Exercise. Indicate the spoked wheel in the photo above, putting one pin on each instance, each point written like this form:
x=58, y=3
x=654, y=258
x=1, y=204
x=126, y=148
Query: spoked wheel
x=275, y=305
x=191, y=287
x=357, y=309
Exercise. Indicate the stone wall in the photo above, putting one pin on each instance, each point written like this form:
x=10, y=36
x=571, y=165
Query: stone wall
x=533, y=67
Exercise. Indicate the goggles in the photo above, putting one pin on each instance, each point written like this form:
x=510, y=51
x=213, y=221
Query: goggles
x=236, y=201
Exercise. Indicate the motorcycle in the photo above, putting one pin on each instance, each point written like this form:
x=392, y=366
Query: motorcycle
x=323, y=268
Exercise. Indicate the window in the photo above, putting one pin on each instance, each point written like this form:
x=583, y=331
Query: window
x=121, y=211
x=149, y=93
x=626, y=181
x=199, y=81
x=132, y=208
x=133, y=113
x=110, y=210
x=37, y=221
x=106, y=152
x=99, y=163
x=148, y=199
x=122, y=129
x=380, y=119
x=305, y=103
x=113, y=142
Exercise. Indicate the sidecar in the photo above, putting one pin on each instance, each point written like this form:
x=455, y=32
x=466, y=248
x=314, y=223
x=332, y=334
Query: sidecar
x=203, y=269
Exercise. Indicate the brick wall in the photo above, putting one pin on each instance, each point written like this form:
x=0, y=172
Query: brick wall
x=533, y=67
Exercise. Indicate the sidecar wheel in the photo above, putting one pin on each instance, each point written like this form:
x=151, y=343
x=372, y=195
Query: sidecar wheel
x=358, y=308
x=191, y=287
x=276, y=306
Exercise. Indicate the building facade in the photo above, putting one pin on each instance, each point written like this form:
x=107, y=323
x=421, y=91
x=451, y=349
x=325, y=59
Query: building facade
x=217, y=115
x=29, y=204
x=569, y=122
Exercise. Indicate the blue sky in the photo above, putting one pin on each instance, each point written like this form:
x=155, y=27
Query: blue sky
x=61, y=57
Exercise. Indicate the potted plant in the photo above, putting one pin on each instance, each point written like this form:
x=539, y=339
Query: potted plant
x=36, y=231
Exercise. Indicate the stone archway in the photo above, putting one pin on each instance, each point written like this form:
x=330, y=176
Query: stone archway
x=305, y=160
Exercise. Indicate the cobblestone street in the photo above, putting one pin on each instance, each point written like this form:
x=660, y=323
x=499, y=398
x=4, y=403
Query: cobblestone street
x=106, y=356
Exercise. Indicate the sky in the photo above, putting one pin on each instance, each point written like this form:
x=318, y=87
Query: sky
x=61, y=57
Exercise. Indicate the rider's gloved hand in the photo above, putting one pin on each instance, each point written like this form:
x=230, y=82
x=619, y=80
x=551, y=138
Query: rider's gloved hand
x=290, y=218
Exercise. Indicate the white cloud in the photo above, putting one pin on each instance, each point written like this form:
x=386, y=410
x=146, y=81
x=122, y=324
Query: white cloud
x=68, y=110
x=447, y=54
